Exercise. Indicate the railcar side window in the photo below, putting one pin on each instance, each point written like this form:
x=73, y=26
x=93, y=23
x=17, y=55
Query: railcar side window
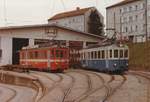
x=57, y=53
x=121, y=54
x=103, y=54
x=126, y=53
x=95, y=54
x=110, y=53
x=52, y=54
x=36, y=54
x=92, y=55
x=115, y=53
x=99, y=54
x=83, y=55
x=61, y=54
x=44, y=54
x=88, y=55
x=30, y=55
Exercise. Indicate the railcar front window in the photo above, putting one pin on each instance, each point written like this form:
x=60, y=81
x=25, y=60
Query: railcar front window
x=115, y=53
x=126, y=53
x=121, y=54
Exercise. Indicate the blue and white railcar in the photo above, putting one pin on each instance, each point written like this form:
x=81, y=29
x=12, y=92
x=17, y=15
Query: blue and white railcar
x=107, y=58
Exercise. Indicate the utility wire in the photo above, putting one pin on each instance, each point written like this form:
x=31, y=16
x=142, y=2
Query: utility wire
x=5, y=13
x=63, y=4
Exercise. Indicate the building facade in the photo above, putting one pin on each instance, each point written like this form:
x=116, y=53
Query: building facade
x=128, y=19
x=12, y=39
x=77, y=19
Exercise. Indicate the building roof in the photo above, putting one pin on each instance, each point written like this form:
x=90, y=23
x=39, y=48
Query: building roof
x=50, y=25
x=122, y=3
x=76, y=12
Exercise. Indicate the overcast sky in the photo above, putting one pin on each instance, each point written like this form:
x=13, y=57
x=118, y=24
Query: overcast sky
x=21, y=12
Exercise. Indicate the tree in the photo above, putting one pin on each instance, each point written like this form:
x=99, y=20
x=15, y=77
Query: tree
x=95, y=24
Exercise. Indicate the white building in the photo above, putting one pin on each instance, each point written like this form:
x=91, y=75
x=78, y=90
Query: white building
x=12, y=39
x=77, y=19
x=128, y=19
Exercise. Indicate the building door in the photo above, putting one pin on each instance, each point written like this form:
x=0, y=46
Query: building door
x=18, y=43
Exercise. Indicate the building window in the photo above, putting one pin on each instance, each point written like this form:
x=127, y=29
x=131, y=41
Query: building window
x=143, y=27
x=130, y=18
x=143, y=16
x=130, y=8
x=73, y=20
x=124, y=9
x=136, y=7
x=120, y=10
x=0, y=53
x=142, y=5
x=131, y=29
x=136, y=28
x=124, y=19
x=126, y=29
x=136, y=17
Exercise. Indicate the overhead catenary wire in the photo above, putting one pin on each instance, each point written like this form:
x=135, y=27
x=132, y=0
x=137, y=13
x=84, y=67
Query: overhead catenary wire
x=5, y=13
x=63, y=4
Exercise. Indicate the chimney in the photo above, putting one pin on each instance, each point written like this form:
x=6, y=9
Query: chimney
x=78, y=8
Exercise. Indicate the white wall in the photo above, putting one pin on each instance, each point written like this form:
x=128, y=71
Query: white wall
x=6, y=46
x=123, y=13
x=76, y=22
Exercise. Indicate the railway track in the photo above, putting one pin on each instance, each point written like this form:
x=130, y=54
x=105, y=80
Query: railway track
x=93, y=90
x=90, y=89
x=47, y=90
x=111, y=91
x=13, y=96
x=66, y=93
x=146, y=76
x=41, y=89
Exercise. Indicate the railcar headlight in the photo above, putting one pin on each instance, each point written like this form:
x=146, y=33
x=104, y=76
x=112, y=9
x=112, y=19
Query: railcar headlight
x=115, y=65
x=127, y=64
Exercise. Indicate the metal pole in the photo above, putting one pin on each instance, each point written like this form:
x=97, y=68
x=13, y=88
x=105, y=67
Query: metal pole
x=146, y=39
x=146, y=30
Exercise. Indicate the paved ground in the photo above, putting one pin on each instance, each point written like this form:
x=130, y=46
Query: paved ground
x=82, y=86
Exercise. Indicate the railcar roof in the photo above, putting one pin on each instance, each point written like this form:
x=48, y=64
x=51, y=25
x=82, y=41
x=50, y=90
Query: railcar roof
x=108, y=46
x=40, y=48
